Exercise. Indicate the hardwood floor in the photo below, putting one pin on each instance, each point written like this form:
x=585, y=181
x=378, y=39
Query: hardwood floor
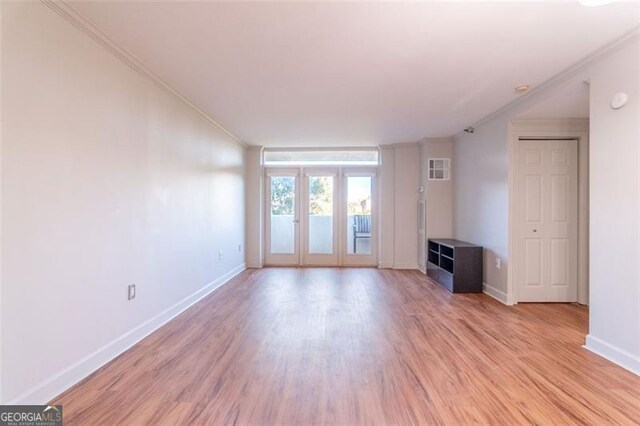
x=358, y=346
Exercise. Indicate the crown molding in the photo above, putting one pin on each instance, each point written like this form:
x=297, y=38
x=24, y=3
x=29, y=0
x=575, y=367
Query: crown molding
x=595, y=56
x=69, y=13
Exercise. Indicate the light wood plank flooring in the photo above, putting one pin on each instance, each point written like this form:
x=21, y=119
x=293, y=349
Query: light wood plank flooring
x=358, y=346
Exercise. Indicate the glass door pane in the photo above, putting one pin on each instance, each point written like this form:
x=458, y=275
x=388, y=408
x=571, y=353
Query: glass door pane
x=320, y=235
x=283, y=217
x=359, y=204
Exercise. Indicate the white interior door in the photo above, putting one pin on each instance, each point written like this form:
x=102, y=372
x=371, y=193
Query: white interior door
x=282, y=221
x=359, y=218
x=546, y=216
x=320, y=204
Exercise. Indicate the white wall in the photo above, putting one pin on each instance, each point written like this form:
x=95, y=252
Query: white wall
x=107, y=180
x=480, y=168
x=406, y=180
x=387, y=206
x=437, y=194
x=614, y=315
x=254, y=204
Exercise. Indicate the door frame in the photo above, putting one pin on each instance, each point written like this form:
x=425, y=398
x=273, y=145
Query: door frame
x=282, y=259
x=551, y=129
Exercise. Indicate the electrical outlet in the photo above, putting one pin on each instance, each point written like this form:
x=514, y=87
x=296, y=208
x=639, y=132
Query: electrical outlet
x=498, y=263
x=240, y=248
x=131, y=292
x=220, y=255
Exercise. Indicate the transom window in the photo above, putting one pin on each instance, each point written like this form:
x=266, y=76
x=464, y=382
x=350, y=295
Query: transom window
x=319, y=157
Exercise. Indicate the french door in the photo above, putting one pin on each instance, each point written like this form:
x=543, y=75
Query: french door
x=320, y=217
x=320, y=212
x=282, y=221
x=358, y=216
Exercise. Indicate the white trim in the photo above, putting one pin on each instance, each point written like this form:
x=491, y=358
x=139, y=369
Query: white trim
x=56, y=384
x=68, y=12
x=595, y=56
x=385, y=265
x=406, y=266
x=254, y=266
x=496, y=294
x=618, y=356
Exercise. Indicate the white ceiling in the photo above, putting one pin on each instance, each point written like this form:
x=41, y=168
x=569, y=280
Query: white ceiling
x=330, y=74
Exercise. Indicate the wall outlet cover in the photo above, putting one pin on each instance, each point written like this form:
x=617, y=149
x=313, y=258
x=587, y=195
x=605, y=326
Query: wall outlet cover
x=131, y=292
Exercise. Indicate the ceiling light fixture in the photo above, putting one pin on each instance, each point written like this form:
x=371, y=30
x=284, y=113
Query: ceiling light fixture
x=522, y=88
x=594, y=3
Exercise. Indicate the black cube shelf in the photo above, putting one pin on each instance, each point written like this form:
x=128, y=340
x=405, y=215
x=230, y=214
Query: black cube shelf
x=455, y=265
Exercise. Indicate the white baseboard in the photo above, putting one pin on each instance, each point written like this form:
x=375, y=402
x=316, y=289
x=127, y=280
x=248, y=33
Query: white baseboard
x=405, y=266
x=254, y=265
x=614, y=354
x=58, y=383
x=385, y=265
x=499, y=295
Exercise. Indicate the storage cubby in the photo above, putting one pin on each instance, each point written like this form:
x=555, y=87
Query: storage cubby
x=434, y=258
x=455, y=265
x=446, y=264
x=446, y=251
x=435, y=247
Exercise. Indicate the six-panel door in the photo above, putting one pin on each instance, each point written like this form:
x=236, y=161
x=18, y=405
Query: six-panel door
x=546, y=191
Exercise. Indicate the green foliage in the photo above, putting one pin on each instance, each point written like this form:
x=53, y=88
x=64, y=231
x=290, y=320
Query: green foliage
x=282, y=194
x=321, y=195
